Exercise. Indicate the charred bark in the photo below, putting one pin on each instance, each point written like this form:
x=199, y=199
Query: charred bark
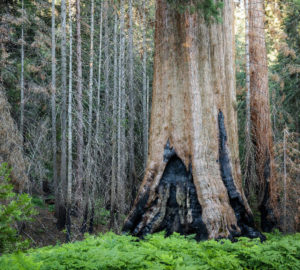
x=244, y=219
x=175, y=206
x=61, y=217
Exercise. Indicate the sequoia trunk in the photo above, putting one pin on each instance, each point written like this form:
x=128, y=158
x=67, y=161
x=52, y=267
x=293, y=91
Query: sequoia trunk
x=192, y=183
x=261, y=130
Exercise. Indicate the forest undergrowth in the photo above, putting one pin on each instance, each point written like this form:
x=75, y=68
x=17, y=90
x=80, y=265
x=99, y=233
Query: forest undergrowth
x=111, y=251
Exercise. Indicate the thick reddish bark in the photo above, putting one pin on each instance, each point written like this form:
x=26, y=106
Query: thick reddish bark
x=192, y=182
x=261, y=130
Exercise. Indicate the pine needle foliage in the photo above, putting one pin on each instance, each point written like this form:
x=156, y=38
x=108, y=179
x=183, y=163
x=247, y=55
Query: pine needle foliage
x=209, y=9
x=111, y=251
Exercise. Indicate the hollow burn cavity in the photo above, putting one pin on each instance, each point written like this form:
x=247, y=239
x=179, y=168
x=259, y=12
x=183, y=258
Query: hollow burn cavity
x=175, y=208
x=244, y=220
x=183, y=211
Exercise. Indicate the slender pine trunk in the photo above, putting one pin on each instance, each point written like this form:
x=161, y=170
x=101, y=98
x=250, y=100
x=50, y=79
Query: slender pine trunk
x=53, y=105
x=88, y=183
x=107, y=59
x=114, y=133
x=121, y=118
x=132, y=172
x=99, y=78
x=22, y=77
x=61, y=215
x=284, y=182
x=79, y=161
x=98, y=138
x=70, y=135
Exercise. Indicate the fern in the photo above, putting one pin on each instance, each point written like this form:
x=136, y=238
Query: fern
x=111, y=251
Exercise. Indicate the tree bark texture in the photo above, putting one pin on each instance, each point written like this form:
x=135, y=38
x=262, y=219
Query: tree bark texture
x=192, y=183
x=261, y=130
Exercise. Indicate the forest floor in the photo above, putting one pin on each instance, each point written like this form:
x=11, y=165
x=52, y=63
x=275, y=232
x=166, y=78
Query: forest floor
x=42, y=231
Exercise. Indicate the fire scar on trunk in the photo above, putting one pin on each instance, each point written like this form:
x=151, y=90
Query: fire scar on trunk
x=175, y=206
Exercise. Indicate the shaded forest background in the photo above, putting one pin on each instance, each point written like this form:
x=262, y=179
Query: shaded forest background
x=118, y=67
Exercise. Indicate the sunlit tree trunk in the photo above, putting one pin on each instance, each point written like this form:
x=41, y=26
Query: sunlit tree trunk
x=192, y=183
x=70, y=134
x=261, y=130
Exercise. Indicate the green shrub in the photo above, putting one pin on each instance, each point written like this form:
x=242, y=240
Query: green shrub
x=39, y=202
x=102, y=216
x=14, y=208
x=111, y=251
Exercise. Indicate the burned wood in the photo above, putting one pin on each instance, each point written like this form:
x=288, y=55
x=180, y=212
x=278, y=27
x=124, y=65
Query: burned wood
x=244, y=219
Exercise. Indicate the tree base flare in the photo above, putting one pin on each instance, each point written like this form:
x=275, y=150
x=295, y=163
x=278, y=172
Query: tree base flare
x=173, y=205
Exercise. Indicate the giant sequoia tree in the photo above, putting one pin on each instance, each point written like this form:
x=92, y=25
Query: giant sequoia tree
x=192, y=182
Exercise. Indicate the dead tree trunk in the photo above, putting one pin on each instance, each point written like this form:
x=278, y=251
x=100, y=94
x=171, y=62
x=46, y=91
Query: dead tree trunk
x=261, y=130
x=192, y=183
